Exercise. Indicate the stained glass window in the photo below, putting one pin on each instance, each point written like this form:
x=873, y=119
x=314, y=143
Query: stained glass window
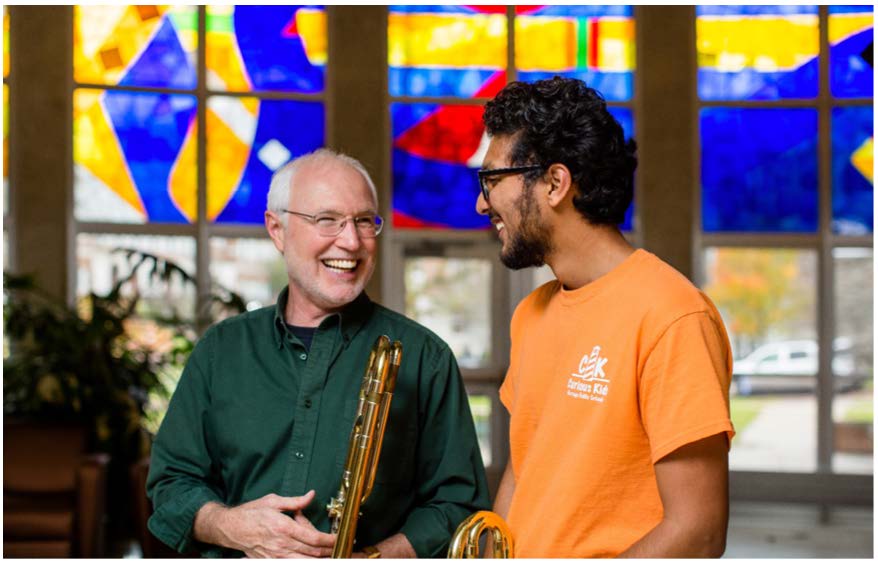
x=592, y=43
x=759, y=170
x=446, y=50
x=757, y=52
x=852, y=169
x=135, y=45
x=266, y=48
x=136, y=153
x=436, y=152
x=134, y=156
x=851, y=52
x=247, y=140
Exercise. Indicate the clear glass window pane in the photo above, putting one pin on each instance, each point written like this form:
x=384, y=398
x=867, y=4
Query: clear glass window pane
x=759, y=170
x=853, y=154
x=134, y=157
x=768, y=301
x=481, y=406
x=280, y=48
x=247, y=140
x=592, y=43
x=852, y=361
x=757, y=52
x=446, y=50
x=101, y=263
x=851, y=57
x=126, y=45
x=452, y=297
x=251, y=267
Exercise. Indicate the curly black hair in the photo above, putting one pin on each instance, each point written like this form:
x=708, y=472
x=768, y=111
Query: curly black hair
x=562, y=120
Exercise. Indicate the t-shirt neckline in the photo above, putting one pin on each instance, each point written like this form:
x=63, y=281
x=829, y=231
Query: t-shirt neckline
x=603, y=283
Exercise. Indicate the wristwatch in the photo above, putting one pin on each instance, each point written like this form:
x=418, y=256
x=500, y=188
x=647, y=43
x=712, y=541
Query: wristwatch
x=371, y=552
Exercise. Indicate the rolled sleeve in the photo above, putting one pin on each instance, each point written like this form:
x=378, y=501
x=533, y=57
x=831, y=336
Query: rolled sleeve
x=180, y=478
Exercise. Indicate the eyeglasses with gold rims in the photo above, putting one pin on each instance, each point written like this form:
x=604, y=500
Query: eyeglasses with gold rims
x=484, y=175
x=331, y=224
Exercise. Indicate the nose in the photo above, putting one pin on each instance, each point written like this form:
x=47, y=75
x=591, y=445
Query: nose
x=482, y=205
x=348, y=238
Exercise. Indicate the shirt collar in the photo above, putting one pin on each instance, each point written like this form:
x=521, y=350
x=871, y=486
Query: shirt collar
x=350, y=319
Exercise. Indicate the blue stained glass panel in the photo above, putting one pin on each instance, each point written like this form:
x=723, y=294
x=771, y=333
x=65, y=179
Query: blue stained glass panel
x=282, y=48
x=759, y=170
x=852, y=170
x=626, y=119
x=436, y=152
x=279, y=131
x=150, y=130
x=851, y=51
x=757, y=52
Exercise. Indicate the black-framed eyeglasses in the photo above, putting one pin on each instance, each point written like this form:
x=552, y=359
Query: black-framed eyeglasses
x=485, y=174
x=330, y=224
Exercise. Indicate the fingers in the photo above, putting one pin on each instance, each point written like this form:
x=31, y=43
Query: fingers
x=289, y=503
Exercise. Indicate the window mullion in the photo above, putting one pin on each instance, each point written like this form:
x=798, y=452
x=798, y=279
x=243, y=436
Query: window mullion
x=202, y=242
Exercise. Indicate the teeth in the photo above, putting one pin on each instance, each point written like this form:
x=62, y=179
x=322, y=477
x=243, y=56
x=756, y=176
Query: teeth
x=341, y=264
x=499, y=225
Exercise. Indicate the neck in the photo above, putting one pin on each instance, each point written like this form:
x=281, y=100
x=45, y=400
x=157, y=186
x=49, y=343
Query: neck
x=583, y=252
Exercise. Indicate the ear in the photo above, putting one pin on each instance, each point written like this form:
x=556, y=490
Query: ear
x=560, y=184
x=275, y=229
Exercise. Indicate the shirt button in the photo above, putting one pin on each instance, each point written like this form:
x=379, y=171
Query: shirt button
x=300, y=455
x=307, y=403
x=303, y=356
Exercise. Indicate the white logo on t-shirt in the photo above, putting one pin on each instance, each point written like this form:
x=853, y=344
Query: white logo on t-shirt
x=591, y=381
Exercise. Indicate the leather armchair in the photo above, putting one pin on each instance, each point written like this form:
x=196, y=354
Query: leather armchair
x=54, y=494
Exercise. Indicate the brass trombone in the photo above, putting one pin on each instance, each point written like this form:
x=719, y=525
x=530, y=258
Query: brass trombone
x=364, y=446
x=465, y=541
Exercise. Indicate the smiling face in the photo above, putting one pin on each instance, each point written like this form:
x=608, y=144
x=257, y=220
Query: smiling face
x=325, y=273
x=514, y=211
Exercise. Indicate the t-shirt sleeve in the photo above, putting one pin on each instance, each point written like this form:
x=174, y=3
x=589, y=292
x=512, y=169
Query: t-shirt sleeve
x=684, y=386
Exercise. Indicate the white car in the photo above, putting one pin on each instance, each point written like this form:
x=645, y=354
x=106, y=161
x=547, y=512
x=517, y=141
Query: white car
x=791, y=365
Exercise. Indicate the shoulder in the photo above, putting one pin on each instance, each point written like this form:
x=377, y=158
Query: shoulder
x=666, y=294
x=234, y=328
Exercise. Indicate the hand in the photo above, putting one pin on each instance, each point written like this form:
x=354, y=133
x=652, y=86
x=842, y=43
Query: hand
x=261, y=530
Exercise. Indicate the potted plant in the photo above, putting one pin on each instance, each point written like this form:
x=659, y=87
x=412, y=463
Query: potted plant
x=79, y=365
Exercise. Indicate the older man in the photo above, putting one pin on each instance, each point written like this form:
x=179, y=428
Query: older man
x=254, y=441
x=619, y=370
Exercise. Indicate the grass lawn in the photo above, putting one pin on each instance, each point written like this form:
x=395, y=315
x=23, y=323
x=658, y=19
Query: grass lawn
x=744, y=410
x=860, y=411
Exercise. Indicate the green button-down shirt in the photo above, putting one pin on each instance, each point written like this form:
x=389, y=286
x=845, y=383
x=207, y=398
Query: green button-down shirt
x=256, y=413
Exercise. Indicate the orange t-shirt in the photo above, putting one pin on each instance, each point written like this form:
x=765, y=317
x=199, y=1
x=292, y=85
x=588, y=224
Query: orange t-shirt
x=603, y=382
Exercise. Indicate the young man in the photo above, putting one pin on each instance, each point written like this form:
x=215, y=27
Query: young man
x=619, y=371
x=254, y=442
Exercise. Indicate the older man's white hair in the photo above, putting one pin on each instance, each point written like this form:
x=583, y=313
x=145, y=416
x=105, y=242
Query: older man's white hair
x=282, y=180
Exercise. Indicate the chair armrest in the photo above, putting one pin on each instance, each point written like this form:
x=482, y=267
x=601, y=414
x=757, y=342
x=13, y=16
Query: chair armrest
x=91, y=503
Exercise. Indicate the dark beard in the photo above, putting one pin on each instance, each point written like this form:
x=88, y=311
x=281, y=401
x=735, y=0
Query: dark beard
x=530, y=245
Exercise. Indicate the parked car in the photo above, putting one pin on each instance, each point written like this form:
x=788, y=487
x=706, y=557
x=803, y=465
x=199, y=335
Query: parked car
x=791, y=365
